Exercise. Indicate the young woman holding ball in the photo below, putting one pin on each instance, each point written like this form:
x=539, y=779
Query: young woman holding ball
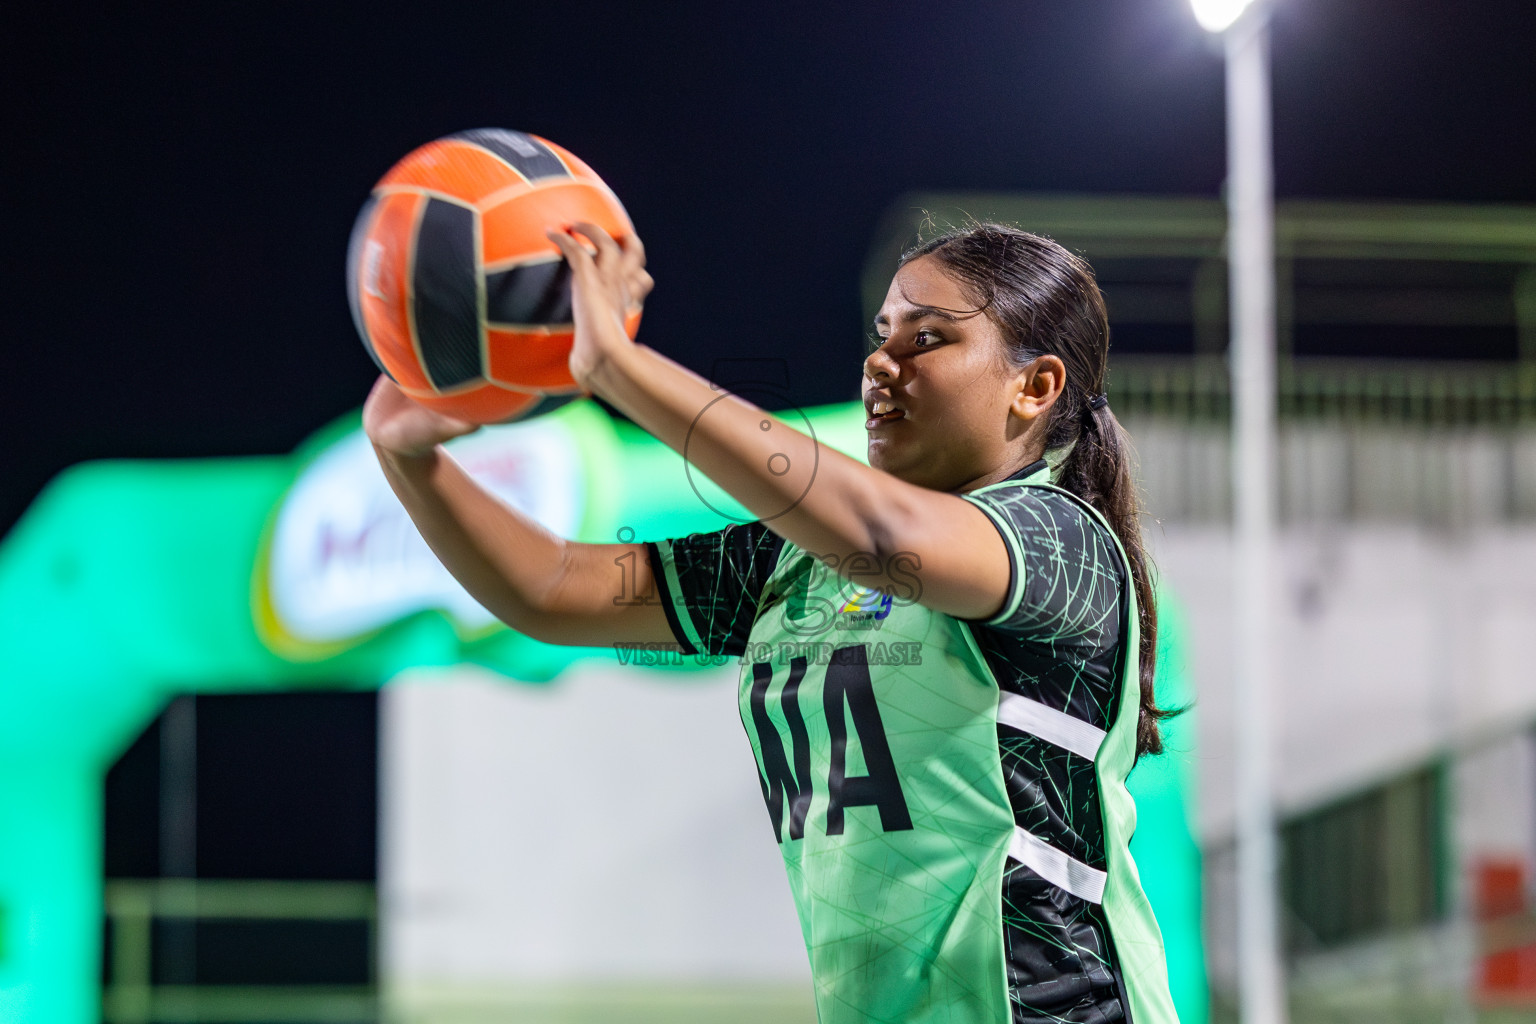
x=953, y=815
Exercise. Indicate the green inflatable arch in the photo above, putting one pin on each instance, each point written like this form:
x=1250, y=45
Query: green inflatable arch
x=127, y=583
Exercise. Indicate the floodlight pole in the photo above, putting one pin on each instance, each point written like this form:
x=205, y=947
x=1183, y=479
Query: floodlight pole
x=1251, y=269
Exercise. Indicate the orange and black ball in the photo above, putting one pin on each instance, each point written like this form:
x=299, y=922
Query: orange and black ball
x=458, y=295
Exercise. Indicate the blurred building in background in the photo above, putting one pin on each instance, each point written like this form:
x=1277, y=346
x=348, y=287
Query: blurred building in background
x=1405, y=698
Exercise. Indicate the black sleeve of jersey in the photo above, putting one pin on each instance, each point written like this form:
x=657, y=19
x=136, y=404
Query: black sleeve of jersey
x=709, y=584
x=1066, y=572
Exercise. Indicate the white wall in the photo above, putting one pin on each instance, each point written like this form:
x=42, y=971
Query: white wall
x=604, y=827
x=1393, y=642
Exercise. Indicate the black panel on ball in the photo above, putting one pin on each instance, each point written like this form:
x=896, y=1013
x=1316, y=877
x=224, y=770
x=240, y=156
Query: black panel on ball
x=443, y=283
x=548, y=403
x=533, y=293
x=527, y=155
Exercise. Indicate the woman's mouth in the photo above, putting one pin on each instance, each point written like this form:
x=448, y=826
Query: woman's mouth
x=880, y=413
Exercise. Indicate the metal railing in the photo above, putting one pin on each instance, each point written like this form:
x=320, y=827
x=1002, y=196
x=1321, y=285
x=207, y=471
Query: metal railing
x=1383, y=391
x=1442, y=444
x=132, y=996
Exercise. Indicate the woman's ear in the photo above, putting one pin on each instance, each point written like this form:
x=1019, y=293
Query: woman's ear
x=1038, y=386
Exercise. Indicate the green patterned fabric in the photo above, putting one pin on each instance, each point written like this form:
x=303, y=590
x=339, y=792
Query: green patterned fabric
x=949, y=796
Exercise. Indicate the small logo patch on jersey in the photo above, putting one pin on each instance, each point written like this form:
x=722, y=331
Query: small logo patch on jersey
x=866, y=608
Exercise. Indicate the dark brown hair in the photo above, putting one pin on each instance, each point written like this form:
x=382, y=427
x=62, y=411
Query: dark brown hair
x=1046, y=302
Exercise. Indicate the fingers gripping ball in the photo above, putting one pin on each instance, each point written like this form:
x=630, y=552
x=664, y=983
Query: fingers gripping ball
x=458, y=295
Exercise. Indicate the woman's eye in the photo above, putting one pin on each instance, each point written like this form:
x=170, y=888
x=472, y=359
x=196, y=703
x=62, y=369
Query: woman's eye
x=922, y=339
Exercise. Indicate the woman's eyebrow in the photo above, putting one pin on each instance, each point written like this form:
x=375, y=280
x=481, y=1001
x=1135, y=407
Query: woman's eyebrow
x=917, y=313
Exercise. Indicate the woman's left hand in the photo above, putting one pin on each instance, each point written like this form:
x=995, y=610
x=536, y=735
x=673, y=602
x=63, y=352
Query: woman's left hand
x=606, y=287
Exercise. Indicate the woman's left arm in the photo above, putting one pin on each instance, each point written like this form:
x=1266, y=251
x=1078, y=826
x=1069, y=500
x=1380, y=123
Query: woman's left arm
x=874, y=529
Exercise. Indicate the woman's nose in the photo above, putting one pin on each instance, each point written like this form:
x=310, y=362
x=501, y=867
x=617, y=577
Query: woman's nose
x=879, y=365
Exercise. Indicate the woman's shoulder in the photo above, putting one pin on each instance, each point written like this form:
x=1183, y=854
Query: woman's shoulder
x=1050, y=520
x=1067, y=577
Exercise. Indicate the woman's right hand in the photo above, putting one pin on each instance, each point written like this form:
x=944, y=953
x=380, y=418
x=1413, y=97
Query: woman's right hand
x=396, y=424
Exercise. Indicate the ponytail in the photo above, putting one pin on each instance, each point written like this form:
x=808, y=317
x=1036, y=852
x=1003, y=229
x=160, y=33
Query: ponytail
x=1098, y=470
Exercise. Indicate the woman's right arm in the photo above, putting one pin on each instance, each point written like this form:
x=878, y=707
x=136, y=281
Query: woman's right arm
x=543, y=586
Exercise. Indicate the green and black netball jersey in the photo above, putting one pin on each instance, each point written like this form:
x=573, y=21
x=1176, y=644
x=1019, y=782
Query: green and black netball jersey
x=949, y=796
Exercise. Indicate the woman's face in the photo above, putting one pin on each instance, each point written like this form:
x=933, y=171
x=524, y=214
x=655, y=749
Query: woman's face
x=939, y=390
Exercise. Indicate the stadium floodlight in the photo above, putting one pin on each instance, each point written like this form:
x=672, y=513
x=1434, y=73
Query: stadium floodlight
x=1218, y=15
x=1244, y=27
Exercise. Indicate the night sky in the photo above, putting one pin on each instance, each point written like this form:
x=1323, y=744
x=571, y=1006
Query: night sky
x=180, y=179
